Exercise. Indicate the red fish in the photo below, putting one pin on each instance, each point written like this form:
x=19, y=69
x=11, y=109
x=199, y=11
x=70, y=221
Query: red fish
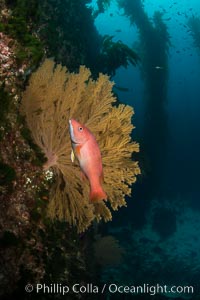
x=86, y=149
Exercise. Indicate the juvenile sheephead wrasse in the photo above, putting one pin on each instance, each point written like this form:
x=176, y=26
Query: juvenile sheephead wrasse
x=86, y=149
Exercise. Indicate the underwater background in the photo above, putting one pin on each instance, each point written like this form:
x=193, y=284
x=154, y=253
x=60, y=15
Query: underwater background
x=148, y=232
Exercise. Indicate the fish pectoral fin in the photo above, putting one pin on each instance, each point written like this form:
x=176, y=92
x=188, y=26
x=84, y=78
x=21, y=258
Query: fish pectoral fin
x=72, y=156
x=78, y=151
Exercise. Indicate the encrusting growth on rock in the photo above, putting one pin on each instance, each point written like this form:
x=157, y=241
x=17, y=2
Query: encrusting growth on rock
x=54, y=96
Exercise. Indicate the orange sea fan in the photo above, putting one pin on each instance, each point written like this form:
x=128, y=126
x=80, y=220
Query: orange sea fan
x=52, y=97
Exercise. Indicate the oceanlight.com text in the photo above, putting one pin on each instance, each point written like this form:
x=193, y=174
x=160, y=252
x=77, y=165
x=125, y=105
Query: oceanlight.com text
x=151, y=289
x=111, y=288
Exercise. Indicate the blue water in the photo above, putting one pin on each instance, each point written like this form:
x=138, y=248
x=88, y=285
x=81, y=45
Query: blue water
x=161, y=238
x=184, y=69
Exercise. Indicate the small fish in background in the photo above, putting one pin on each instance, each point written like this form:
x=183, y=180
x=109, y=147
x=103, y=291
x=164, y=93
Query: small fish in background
x=159, y=68
x=118, y=30
x=121, y=89
x=86, y=150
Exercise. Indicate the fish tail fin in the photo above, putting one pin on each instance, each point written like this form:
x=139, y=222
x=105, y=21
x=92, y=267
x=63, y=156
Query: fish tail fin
x=97, y=194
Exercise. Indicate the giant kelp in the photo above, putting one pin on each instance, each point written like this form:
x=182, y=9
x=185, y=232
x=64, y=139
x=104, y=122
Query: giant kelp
x=54, y=96
x=194, y=25
x=72, y=39
x=154, y=43
x=113, y=55
x=102, y=5
x=66, y=28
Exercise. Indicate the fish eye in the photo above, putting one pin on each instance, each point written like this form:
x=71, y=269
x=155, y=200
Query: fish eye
x=80, y=128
